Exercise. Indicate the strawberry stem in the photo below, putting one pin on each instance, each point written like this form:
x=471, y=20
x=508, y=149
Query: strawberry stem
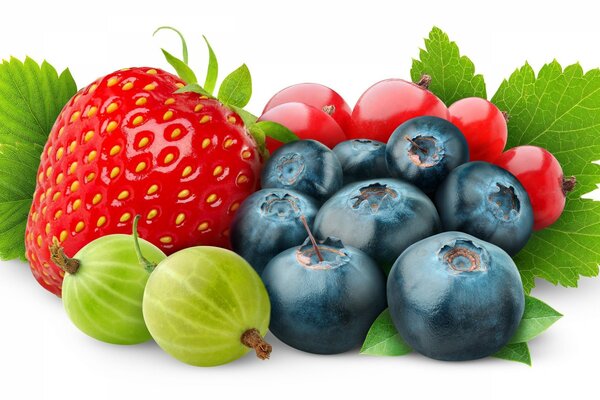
x=148, y=265
x=58, y=257
x=312, y=238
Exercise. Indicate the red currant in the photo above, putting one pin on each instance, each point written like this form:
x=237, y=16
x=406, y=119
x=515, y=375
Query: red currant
x=389, y=103
x=542, y=176
x=306, y=122
x=318, y=96
x=483, y=125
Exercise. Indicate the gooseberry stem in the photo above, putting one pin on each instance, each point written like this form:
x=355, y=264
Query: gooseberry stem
x=254, y=340
x=424, y=150
x=58, y=257
x=147, y=264
x=312, y=238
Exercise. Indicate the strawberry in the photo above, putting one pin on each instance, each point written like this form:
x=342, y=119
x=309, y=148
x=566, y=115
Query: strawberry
x=126, y=145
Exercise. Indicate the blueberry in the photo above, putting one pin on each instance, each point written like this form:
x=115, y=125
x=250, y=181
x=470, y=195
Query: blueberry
x=488, y=202
x=324, y=307
x=268, y=222
x=424, y=150
x=362, y=159
x=381, y=217
x=306, y=166
x=454, y=297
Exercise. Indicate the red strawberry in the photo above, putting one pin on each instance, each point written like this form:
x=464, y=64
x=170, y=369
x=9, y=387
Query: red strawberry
x=127, y=145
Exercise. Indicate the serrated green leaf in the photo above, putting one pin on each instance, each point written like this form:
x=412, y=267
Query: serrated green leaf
x=212, y=71
x=194, y=88
x=182, y=69
x=277, y=131
x=538, y=317
x=31, y=97
x=559, y=110
x=383, y=338
x=518, y=352
x=18, y=168
x=236, y=88
x=184, y=48
x=452, y=75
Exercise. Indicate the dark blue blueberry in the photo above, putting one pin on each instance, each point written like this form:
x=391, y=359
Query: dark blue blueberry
x=324, y=307
x=488, y=202
x=362, y=159
x=306, y=166
x=424, y=150
x=454, y=297
x=381, y=217
x=268, y=222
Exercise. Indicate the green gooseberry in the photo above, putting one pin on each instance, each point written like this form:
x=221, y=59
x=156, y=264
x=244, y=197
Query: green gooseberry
x=104, y=285
x=207, y=306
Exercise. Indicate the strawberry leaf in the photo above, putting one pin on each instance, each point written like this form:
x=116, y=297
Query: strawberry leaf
x=184, y=48
x=538, y=317
x=31, y=97
x=452, y=75
x=559, y=109
x=383, y=339
x=236, y=88
x=194, y=88
x=518, y=352
x=182, y=69
x=277, y=131
x=212, y=71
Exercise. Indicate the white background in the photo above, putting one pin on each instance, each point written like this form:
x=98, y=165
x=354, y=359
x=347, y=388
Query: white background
x=43, y=356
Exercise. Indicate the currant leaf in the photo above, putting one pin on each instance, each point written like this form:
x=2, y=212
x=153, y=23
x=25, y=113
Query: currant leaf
x=559, y=109
x=452, y=75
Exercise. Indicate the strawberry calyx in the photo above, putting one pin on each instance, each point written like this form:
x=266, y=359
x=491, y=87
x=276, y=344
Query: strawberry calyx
x=234, y=92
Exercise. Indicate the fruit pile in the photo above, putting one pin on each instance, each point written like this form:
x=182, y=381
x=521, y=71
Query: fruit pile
x=164, y=211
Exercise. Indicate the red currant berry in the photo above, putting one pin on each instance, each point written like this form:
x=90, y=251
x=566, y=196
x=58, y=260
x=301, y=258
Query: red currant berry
x=389, y=103
x=306, y=122
x=542, y=176
x=318, y=96
x=483, y=125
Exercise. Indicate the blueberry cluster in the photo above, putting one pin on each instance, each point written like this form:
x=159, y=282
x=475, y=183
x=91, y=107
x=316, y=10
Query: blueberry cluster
x=441, y=228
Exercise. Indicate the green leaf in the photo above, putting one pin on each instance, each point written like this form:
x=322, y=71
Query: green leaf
x=212, y=71
x=259, y=136
x=183, y=43
x=248, y=118
x=383, y=339
x=452, y=75
x=236, y=88
x=31, y=97
x=277, y=131
x=18, y=168
x=518, y=352
x=538, y=317
x=182, y=69
x=559, y=110
x=194, y=88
